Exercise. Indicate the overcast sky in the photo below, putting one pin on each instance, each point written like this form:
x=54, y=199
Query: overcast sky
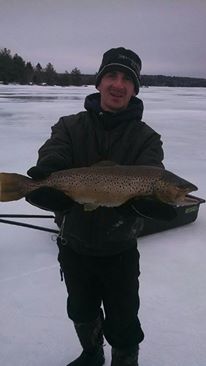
x=168, y=35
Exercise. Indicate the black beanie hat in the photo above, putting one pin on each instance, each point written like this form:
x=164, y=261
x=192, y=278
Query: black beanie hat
x=123, y=60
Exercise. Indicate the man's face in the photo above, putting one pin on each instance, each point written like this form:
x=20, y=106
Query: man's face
x=116, y=89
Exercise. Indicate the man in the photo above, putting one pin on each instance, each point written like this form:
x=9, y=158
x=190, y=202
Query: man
x=97, y=250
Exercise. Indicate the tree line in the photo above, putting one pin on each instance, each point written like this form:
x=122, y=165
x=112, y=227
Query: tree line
x=175, y=81
x=14, y=69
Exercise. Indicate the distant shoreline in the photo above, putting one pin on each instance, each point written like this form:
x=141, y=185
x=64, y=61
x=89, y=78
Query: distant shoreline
x=146, y=81
x=14, y=69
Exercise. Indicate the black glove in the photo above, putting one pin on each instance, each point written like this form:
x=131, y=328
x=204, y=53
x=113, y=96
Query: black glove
x=50, y=199
x=151, y=208
x=37, y=172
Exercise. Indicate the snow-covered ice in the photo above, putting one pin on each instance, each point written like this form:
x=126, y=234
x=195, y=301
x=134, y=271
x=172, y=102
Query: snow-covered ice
x=34, y=328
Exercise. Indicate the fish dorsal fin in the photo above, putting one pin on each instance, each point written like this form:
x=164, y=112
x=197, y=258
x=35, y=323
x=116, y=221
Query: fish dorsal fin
x=105, y=163
x=90, y=206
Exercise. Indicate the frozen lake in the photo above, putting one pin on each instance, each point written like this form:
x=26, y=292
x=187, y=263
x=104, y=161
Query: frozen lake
x=34, y=329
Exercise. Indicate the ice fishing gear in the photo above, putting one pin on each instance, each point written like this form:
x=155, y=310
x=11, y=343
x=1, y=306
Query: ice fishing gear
x=3, y=219
x=183, y=215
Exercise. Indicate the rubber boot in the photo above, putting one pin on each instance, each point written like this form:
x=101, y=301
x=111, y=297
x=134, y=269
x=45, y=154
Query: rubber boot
x=91, y=338
x=125, y=357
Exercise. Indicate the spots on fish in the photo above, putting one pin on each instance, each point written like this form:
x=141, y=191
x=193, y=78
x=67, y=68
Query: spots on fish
x=103, y=186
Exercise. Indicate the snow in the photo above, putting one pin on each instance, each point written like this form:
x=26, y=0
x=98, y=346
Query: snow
x=34, y=328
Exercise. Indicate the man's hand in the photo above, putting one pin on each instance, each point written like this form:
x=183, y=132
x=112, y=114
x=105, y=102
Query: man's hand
x=37, y=172
x=50, y=199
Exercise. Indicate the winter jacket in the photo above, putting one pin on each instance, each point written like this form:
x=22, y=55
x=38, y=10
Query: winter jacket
x=86, y=138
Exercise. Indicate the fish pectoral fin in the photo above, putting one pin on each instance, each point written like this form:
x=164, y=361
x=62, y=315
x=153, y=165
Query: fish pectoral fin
x=90, y=206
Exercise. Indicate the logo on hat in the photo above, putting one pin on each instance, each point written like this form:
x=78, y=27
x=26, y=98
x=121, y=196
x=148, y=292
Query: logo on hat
x=132, y=63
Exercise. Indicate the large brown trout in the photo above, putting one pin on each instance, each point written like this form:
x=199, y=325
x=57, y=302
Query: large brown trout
x=108, y=186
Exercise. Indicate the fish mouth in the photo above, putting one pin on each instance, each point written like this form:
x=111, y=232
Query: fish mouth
x=177, y=196
x=187, y=200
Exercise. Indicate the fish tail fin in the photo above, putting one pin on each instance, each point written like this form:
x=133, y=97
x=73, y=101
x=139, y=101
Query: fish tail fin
x=12, y=186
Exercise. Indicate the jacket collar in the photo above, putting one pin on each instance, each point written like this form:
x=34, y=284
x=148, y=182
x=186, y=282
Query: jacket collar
x=133, y=111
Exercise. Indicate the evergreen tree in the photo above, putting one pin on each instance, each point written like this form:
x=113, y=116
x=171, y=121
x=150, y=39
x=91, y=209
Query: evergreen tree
x=18, y=69
x=38, y=74
x=64, y=79
x=76, y=78
x=50, y=74
x=29, y=73
x=6, y=65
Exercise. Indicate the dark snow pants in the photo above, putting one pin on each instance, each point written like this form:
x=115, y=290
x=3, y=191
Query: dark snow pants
x=111, y=281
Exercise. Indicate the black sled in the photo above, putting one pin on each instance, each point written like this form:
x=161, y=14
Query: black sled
x=156, y=216
x=184, y=215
